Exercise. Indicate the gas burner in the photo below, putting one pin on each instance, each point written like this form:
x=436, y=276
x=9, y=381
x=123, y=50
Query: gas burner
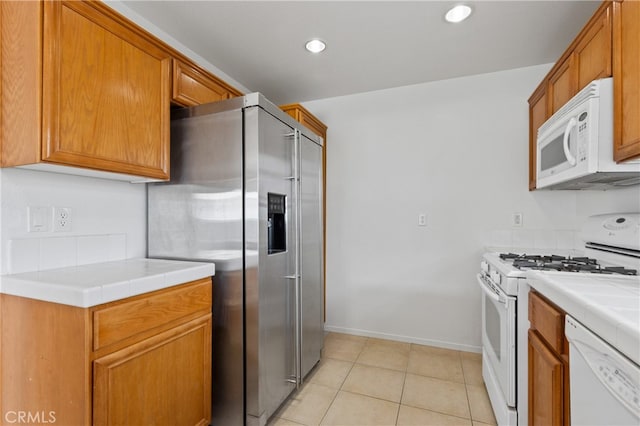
x=552, y=262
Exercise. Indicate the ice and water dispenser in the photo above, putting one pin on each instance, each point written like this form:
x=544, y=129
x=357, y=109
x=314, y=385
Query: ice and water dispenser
x=276, y=224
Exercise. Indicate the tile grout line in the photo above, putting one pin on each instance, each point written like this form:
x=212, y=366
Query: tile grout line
x=466, y=389
x=342, y=384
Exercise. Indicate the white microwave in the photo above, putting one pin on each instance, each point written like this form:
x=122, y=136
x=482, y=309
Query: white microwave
x=575, y=145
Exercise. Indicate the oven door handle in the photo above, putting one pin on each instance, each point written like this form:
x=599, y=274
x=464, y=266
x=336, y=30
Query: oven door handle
x=492, y=293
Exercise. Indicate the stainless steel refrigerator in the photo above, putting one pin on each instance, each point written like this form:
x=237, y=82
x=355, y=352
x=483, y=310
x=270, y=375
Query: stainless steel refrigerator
x=246, y=193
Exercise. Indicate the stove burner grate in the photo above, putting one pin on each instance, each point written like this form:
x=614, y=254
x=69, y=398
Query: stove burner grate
x=554, y=262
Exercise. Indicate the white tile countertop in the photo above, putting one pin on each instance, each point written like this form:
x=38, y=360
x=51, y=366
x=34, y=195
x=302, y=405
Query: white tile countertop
x=608, y=305
x=91, y=285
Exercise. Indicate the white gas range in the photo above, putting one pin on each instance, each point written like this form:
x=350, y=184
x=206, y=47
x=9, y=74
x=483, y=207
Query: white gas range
x=612, y=249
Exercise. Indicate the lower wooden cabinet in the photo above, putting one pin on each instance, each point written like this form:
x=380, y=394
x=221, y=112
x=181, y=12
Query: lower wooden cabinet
x=163, y=380
x=548, y=353
x=142, y=360
x=546, y=378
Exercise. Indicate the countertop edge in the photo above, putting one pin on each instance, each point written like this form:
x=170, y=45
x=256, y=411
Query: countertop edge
x=593, y=316
x=135, y=277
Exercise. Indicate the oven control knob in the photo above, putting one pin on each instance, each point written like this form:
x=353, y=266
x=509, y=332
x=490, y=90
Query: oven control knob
x=484, y=267
x=495, y=276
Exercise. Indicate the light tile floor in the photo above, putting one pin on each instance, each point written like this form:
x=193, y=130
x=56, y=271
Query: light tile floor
x=364, y=381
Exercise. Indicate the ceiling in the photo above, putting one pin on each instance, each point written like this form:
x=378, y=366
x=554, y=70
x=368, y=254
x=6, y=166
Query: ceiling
x=371, y=45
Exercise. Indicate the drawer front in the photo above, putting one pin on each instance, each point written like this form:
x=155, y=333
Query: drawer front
x=548, y=320
x=121, y=320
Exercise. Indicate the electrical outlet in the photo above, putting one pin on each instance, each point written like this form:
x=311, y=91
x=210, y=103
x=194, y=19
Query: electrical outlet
x=422, y=219
x=516, y=220
x=62, y=220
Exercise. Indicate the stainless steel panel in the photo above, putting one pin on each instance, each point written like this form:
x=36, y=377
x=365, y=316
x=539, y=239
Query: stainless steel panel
x=270, y=296
x=198, y=216
x=311, y=291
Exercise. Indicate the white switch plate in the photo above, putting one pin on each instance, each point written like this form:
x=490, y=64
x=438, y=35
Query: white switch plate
x=39, y=219
x=62, y=220
x=422, y=219
x=516, y=220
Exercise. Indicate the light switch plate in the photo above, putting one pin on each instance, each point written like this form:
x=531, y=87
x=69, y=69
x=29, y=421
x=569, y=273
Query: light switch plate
x=38, y=219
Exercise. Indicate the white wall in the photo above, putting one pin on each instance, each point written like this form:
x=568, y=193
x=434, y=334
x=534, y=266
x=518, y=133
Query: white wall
x=108, y=220
x=457, y=151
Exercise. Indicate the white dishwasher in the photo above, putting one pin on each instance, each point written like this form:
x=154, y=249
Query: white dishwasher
x=604, y=384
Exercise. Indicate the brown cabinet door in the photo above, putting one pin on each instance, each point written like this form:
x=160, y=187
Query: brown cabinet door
x=105, y=93
x=562, y=85
x=193, y=87
x=592, y=55
x=546, y=384
x=164, y=380
x=537, y=117
x=626, y=81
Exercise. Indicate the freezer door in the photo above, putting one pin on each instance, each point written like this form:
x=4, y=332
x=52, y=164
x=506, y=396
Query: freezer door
x=311, y=292
x=270, y=228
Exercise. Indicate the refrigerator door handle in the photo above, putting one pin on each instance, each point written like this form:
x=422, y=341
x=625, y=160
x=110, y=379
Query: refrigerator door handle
x=298, y=213
x=292, y=277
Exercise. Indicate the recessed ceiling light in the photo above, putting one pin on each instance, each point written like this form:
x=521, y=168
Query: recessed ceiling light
x=458, y=13
x=315, y=45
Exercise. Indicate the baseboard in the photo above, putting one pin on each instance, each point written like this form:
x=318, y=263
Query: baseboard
x=407, y=339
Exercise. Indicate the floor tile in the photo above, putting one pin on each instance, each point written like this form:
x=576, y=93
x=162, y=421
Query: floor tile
x=434, y=350
x=343, y=349
x=411, y=416
x=388, y=344
x=480, y=405
x=384, y=357
x=309, y=405
x=440, y=366
x=283, y=422
x=352, y=409
x=375, y=382
x=341, y=336
x=475, y=423
x=437, y=395
x=472, y=369
x=330, y=372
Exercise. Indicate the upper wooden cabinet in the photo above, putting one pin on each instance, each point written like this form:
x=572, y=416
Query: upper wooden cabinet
x=194, y=86
x=83, y=87
x=608, y=46
x=302, y=115
x=537, y=116
x=626, y=80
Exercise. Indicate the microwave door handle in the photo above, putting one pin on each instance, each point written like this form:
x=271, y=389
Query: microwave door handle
x=565, y=141
x=489, y=292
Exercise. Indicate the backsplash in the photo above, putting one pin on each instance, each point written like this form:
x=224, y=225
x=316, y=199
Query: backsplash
x=39, y=254
x=562, y=239
x=108, y=220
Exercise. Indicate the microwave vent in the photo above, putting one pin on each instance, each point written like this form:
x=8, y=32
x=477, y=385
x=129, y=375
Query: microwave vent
x=591, y=90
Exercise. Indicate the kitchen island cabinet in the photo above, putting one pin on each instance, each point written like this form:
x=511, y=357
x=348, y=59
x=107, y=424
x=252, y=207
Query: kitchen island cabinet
x=548, y=364
x=144, y=359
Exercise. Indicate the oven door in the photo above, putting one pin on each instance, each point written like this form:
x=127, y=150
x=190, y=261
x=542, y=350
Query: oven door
x=499, y=336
